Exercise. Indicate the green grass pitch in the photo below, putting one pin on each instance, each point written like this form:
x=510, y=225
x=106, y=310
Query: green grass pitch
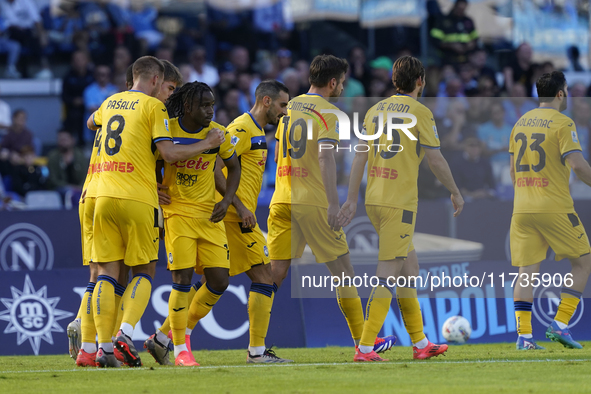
x=497, y=368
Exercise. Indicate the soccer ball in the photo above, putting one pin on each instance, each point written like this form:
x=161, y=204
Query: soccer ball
x=457, y=330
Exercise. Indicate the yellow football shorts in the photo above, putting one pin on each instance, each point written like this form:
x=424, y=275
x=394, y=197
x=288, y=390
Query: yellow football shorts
x=532, y=233
x=395, y=228
x=248, y=247
x=195, y=243
x=124, y=230
x=291, y=227
x=86, y=212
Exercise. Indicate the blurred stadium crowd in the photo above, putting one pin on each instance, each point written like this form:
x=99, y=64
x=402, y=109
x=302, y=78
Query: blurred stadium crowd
x=475, y=93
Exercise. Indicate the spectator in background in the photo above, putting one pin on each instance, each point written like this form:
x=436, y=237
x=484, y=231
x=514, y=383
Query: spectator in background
x=201, y=71
x=381, y=69
x=23, y=24
x=18, y=139
x=62, y=25
x=227, y=80
x=231, y=103
x=517, y=104
x=429, y=186
x=165, y=52
x=358, y=66
x=477, y=59
x=186, y=71
x=74, y=83
x=291, y=79
x=222, y=117
x=452, y=127
x=467, y=75
x=13, y=50
x=538, y=71
x=97, y=92
x=67, y=165
x=455, y=34
x=240, y=59
x=246, y=99
x=495, y=135
x=142, y=18
x=520, y=69
x=573, y=56
x=5, y=117
x=24, y=173
x=283, y=60
x=121, y=60
x=303, y=68
x=473, y=172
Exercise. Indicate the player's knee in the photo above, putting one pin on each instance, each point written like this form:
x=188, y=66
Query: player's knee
x=219, y=284
x=182, y=277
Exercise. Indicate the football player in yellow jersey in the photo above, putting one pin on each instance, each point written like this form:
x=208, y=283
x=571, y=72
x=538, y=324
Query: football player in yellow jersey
x=391, y=203
x=305, y=203
x=545, y=147
x=248, y=247
x=195, y=234
x=135, y=124
x=82, y=332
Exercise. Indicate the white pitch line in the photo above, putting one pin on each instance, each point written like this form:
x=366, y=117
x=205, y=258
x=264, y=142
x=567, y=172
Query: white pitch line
x=305, y=365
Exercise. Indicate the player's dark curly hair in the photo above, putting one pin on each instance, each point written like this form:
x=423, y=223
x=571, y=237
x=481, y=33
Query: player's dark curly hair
x=405, y=72
x=549, y=85
x=176, y=102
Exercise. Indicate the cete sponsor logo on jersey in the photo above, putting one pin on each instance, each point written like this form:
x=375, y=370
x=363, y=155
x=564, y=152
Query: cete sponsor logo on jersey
x=198, y=164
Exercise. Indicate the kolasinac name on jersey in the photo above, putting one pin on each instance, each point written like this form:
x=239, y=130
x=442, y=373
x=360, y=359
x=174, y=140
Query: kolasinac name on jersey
x=248, y=138
x=540, y=141
x=392, y=173
x=191, y=183
x=299, y=180
x=132, y=122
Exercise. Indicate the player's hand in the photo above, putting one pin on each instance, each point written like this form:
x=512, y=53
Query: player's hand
x=219, y=211
x=347, y=213
x=458, y=202
x=163, y=198
x=333, y=221
x=248, y=218
x=215, y=138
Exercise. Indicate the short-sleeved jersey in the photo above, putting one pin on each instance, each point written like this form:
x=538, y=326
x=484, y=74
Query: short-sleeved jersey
x=191, y=183
x=298, y=179
x=248, y=138
x=91, y=180
x=540, y=141
x=393, y=171
x=132, y=122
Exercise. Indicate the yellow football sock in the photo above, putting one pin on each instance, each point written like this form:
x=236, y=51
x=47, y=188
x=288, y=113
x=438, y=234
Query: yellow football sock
x=378, y=306
x=87, y=317
x=119, y=306
x=202, y=303
x=103, y=301
x=350, y=305
x=523, y=317
x=165, y=328
x=81, y=309
x=260, y=302
x=177, y=312
x=569, y=300
x=135, y=299
x=411, y=312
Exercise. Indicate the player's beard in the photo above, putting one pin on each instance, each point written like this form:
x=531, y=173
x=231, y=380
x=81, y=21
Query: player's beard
x=335, y=93
x=272, y=118
x=420, y=92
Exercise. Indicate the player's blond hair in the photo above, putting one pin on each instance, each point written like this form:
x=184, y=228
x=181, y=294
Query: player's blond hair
x=146, y=67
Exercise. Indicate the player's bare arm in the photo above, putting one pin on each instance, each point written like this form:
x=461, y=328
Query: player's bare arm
x=90, y=123
x=328, y=169
x=172, y=153
x=441, y=170
x=163, y=197
x=220, y=209
x=580, y=166
x=249, y=220
x=349, y=208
